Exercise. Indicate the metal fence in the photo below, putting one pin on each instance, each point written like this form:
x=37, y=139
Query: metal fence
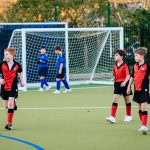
x=134, y=37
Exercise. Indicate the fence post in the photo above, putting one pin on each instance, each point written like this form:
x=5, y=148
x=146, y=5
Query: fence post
x=142, y=35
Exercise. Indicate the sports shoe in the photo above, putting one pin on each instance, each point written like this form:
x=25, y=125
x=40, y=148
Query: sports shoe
x=57, y=92
x=8, y=126
x=127, y=118
x=111, y=119
x=48, y=88
x=67, y=91
x=41, y=89
x=143, y=129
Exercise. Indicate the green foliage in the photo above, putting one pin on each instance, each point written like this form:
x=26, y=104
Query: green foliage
x=76, y=12
x=82, y=13
x=30, y=11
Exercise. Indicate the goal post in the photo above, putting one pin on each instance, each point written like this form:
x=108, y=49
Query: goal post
x=88, y=52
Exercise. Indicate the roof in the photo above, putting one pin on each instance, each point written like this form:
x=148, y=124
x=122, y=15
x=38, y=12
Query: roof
x=128, y=1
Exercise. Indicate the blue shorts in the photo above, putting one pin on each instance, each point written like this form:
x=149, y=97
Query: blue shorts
x=43, y=72
x=62, y=75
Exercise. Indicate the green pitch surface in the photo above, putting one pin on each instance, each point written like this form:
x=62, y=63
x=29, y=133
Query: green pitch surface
x=74, y=121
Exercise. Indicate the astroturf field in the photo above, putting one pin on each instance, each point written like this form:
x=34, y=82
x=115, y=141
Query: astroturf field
x=73, y=121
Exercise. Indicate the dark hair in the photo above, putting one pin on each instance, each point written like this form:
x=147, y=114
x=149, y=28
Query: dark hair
x=141, y=51
x=57, y=47
x=120, y=52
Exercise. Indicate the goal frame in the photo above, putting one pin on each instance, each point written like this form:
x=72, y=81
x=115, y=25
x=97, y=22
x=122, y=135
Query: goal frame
x=66, y=30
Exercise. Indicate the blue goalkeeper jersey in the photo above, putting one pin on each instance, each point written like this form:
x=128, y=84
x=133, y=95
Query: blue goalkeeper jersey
x=42, y=60
x=60, y=59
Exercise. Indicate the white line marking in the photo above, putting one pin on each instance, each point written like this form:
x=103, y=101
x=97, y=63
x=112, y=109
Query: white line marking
x=94, y=87
x=73, y=88
x=67, y=108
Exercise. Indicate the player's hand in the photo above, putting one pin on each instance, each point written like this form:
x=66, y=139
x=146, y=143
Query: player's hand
x=60, y=71
x=2, y=81
x=128, y=90
x=123, y=84
x=22, y=84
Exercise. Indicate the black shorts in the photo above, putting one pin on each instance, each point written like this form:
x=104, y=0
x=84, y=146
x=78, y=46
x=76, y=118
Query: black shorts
x=62, y=75
x=121, y=90
x=141, y=96
x=43, y=72
x=6, y=94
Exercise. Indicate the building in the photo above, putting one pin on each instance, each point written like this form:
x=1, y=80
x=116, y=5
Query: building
x=132, y=3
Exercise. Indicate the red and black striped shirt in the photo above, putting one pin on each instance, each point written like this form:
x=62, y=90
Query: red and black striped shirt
x=121, y=72
x=140, y=75
x=10, y=75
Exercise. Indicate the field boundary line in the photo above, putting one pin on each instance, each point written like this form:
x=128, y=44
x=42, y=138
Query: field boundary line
x=68, y=108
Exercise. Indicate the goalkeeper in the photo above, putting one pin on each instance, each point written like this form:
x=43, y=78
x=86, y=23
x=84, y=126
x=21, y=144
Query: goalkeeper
x=42, y=60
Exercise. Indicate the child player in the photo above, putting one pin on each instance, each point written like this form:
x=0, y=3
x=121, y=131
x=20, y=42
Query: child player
x=42, y=59
x=61, y=71
x=121, y=80
x=10, y=69
x=140, y=74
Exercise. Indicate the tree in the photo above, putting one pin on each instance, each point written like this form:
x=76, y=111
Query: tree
x=77, y=12
x=82, y=12
x=30, y=11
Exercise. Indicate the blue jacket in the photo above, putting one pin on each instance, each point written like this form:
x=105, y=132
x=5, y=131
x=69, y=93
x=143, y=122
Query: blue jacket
x=42, y=60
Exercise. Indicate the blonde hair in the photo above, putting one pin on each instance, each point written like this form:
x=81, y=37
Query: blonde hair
x=141, y=51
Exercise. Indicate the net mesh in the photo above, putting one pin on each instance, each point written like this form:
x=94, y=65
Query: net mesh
x=90, y=53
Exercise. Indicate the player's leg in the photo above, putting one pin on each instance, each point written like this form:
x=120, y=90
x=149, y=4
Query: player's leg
x=45, y=72
x=137, y=99
x=142, y=98
x=47, y=85
x=58, y=83
x=117, y=93
x=128, y=116
x=41, y=84
x=144, y=128
x=5, y=97
x=10, y=113
x=115, y=105
x=15, y=105
x=5, y=104
x=68, y=89
x=140, y=111
x=65, y=82
x=40, y=72
x=112, y=117
x=144, y=113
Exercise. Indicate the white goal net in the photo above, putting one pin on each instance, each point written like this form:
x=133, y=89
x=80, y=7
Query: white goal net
x=88, y=52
